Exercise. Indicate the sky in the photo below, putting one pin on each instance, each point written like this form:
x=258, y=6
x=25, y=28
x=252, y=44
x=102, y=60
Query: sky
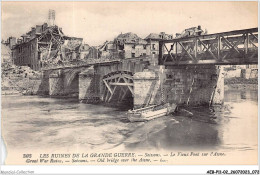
x=97, y=22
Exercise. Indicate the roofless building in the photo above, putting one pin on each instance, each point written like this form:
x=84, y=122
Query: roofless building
x=44, y=44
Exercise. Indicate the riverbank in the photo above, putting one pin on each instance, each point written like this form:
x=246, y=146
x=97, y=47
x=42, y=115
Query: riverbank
x=241, y=83
x=240, y=80
x=18, y=80
x=241, y=86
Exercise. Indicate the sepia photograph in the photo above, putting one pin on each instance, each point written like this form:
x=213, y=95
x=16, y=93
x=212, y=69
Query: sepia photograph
x=129, y=83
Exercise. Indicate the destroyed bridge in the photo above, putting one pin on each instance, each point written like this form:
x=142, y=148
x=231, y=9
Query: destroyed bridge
x=186, y=72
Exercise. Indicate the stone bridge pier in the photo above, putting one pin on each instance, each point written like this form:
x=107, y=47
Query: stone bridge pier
x=60, y=82
x=142, y=83
x=186, y=85
x=64, y=82
x=194, y=85
x=89, y=86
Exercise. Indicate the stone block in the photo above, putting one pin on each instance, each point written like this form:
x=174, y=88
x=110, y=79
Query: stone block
x=198, y=92
x=146, y=87
x=55, y=85
x=88, y=87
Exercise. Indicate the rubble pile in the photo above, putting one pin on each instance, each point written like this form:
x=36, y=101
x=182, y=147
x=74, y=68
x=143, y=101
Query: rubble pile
x=129, y=38
x=10, y=71
x=17, y=79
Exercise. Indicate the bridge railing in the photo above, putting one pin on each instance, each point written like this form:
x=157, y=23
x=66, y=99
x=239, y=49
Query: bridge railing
x=79, y=63
x=89, y=62
x=102, y=60
x=234, y=47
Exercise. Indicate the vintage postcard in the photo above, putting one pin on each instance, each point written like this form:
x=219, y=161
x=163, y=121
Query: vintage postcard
x=129, y=83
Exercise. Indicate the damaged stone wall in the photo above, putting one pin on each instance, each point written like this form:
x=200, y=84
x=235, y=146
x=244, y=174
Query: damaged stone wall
x=187, y=85
x=146, y=89
x=68, y=51
x=124, y=46
x=249, y=73
x=193, y=85
x=132, y=50
x=26, y=54
x=89, y=86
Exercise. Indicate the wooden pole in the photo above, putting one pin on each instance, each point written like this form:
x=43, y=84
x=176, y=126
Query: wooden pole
x=196, y=48
x=160, y=61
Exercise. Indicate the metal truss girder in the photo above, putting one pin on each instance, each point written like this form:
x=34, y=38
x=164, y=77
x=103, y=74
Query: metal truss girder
x=237, y=44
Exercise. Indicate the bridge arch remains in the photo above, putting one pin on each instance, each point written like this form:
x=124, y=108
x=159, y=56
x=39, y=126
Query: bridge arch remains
x=95, y=84
x=64, y=82
x=118, y=86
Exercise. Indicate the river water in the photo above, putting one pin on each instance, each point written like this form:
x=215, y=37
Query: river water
x=38, y=123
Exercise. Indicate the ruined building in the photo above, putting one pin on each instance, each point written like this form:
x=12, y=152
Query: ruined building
x=124, y=46
x=193, y=31
x=6, y=47
x=45, y=44
x=153, y=40
x=10, y=42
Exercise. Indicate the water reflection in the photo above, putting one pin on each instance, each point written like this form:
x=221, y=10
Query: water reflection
x=234, y=95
